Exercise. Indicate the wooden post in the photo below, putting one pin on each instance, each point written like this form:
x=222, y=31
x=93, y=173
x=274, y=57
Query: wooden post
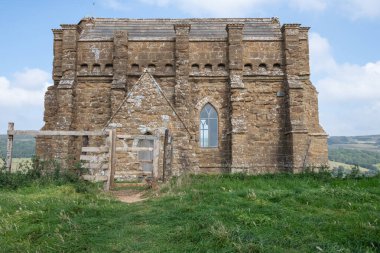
x=10, y=146
x=156, y=153
x=111, y=159
x=165, y=154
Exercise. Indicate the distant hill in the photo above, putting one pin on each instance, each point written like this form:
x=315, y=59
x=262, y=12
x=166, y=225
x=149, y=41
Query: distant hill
x=367, y=142
x=356, y=150
x=24, y=146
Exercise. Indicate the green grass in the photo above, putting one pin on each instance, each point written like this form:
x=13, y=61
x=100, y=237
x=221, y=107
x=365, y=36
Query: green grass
x=346, y=166
x=18, y=163
x=232, y=213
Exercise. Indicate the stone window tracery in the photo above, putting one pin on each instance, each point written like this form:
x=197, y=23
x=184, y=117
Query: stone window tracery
x=208, y=127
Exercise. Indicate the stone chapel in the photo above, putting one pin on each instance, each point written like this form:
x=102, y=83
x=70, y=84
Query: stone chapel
x=235, y=93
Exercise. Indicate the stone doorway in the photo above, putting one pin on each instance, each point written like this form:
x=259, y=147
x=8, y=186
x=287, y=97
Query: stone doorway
x=146, y=156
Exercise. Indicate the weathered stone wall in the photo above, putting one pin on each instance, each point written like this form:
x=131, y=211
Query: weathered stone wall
x=95, y=58
x=257, y=79
x=208, y=56
x=257, y=53
x=156, y=55
x=215, y=92
x=265, y=125
x=146, y=111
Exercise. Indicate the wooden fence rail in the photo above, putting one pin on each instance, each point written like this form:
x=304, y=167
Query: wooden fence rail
x=11, y=133
x=103, y=158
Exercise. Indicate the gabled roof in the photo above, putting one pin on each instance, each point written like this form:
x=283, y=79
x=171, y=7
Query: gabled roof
x=202, y=28
x=144, y=78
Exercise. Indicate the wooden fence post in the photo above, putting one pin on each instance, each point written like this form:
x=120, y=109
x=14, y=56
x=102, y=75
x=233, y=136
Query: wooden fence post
x=10, y=146
x=111, y=159
x=156, y=154
x=164, y=165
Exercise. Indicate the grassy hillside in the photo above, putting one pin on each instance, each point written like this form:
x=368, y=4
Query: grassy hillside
x=24, y=146
x=356, y=150
x=367, y=143
x=230, y=213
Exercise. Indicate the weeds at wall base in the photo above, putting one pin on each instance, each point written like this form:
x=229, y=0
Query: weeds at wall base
x=43, y=172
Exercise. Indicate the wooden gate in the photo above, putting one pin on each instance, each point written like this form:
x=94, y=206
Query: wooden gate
x=101, y=161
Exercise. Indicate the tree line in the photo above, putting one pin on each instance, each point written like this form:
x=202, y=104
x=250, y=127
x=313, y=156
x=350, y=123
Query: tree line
x=363, y=158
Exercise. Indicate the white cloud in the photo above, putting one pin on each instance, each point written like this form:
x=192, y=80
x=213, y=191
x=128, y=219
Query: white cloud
x=354, y=9
x=235, y=8
x=26, y=89
x=348, y=93
x=118, y=5
x=215, y=8
x=22, y=99
x=31, y=78
x=321, y=59
x=343, y=81
x=350, y=81
x=361, y=9
x=309, y=5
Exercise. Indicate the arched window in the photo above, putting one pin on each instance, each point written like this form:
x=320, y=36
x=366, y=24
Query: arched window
x=208, y=68
x=208, y=127
x=195, y=68
x=248, y=67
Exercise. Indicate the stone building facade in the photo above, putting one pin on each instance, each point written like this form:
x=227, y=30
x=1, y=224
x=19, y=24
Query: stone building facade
x=235, y=93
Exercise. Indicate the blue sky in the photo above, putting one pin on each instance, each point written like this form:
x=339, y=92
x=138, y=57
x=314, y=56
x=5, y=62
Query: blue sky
x=344, y=50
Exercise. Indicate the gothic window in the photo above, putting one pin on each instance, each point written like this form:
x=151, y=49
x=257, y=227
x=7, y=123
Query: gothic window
x=208, y=127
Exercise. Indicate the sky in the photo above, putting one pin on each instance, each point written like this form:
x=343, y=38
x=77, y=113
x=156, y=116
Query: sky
x=344, y=50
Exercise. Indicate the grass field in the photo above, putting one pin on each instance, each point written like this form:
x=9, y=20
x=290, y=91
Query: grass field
x=18, y=163
x=346, y=166
x=231, y=213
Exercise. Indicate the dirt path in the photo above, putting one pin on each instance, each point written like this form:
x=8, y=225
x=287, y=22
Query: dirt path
x=129, y=196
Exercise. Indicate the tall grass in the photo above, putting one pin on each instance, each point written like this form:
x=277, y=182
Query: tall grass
x=225, y=213
x=39, y=171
